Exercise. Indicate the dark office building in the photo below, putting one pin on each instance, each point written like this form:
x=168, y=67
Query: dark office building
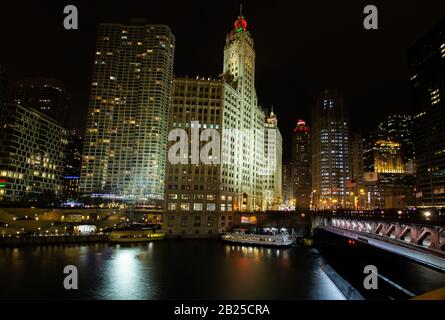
x=45, y=95
x=3, y=82
x=71, y=180
x=287, y=187
x=300, y=165
x=32, y=155
x=427, y=72
x=355, y=184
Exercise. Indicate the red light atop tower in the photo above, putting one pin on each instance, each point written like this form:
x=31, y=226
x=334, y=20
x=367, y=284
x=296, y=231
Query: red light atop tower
x=301, y=126
x=240, y=24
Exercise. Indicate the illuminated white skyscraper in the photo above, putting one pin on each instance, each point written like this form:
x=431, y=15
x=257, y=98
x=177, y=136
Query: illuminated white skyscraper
x=247, y=156
x=126, y=134
x=202, y=198
x=273, y=152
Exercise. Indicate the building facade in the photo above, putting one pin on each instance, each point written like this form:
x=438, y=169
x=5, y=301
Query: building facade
x=71, y=179
x=427, y=76
x=287, y=187
x=45, y=95
x=398, y=128
x=245, y=158
x=391, y=185
x=202, y=194
x=196, y=203
x=3, y=84
x=330, y=153
x=356, y=166
x=301, y=165
x=382, y=154
x=32, y=155
x=124, y=154
x=273, y=151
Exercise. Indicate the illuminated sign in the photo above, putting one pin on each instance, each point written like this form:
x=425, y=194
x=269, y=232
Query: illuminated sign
x=71, y=178
x=248, y=220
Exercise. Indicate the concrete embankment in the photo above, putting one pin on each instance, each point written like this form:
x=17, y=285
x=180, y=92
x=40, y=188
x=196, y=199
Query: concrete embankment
x=42, y=240
x=348, y=291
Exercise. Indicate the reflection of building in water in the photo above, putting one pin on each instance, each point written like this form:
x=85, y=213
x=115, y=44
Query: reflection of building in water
x=257, y=253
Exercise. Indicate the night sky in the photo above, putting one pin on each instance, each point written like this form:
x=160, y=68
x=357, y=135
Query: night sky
x=301, y=47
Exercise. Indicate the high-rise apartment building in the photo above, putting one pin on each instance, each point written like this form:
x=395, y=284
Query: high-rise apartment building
x=32, y=155
x=126, y=134
x=48, y=96
x=330, y=153
x=300, y=165
x=427, y=72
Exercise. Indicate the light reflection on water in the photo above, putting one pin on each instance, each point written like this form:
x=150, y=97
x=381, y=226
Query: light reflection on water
x=165, y=270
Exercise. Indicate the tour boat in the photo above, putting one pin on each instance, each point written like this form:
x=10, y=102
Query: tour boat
x=271, y=239
x=135, y=236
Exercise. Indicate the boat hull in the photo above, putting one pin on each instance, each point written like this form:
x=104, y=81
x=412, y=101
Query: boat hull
x=131, y=237
x=253, y=242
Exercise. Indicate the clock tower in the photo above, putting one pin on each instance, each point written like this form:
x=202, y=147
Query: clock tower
x=239, y=60
x=248, y=152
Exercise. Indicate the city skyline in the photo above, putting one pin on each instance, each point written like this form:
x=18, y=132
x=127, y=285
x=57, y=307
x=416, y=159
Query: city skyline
x=315, y=67
x=270, y=152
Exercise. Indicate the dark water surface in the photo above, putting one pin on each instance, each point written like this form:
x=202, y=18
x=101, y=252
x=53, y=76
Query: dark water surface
x=169, y=269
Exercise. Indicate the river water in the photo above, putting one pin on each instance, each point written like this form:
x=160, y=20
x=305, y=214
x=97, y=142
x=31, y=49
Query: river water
x=168, y=269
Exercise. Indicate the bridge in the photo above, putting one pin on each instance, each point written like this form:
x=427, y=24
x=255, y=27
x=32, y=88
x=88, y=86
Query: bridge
x=420, y=240
x=415, y=234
